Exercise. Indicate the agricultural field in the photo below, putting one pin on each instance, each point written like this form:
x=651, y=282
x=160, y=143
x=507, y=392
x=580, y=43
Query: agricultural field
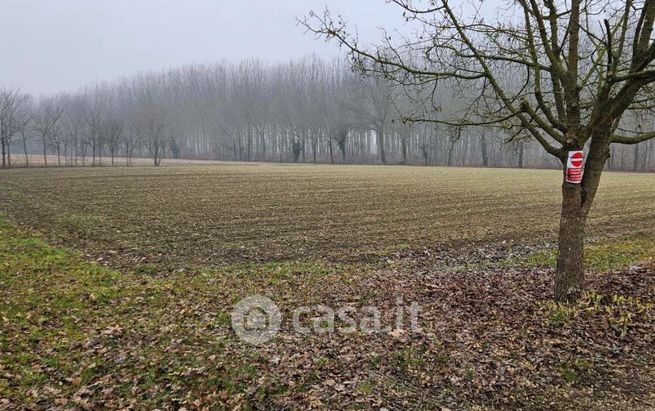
x=117, y=285
x=181, y=217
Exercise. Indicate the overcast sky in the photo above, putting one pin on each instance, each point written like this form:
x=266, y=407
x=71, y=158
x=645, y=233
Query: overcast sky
x=53, y=45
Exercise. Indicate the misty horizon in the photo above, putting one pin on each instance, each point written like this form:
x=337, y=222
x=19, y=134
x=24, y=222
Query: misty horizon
x=64, y=47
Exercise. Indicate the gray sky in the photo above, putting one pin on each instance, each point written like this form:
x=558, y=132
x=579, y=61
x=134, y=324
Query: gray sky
x=53, y=45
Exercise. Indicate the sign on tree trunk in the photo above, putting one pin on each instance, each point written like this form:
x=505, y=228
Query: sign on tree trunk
x=575, y=167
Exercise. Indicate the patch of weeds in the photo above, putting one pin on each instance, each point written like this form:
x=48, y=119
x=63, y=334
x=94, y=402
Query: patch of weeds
x=408, y=358
x=376, y=362
x=442, y=357
x=583, y=364
x=469, y=374
x=599, y=257
x=568, y=374
x=396, y=248
x=322, y=362
x=223, y=319
x=366, y=387
x=617, y=255
x=146, y=269
x=247, y=371
x=620, y=311
x=559, y=314
x=80, y=221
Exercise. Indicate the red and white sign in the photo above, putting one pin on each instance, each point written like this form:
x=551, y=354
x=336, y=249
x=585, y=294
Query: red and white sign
x=575, y=167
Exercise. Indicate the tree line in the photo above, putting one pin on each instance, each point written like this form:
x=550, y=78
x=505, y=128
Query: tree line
x=308, y=110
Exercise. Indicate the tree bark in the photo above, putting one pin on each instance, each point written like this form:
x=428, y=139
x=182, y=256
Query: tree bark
x=576, y=203
x=569, y=280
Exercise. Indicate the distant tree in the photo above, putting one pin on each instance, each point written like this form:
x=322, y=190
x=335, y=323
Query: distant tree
x=375, y=110
x=425, y=152
x=297, y=147
x=25, y=127
x=483, y=149
x=13, y=112
x=73, y=122
x=46, y=121
x=114, y=131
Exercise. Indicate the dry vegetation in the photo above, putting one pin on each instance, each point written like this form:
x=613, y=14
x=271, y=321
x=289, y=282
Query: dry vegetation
x=189, y=242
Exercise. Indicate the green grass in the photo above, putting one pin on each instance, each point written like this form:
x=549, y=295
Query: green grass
x=606, y=255
x=47, y=294
x=67, y=324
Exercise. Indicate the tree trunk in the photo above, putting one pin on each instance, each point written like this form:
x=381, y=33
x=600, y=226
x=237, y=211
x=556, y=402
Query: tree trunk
x=576, y=203
x=635, y=160
x=483, y=149
x=451, y=148
x=569, y=281
x=2, y=143
x=380, y=136
x=27, y=157
x=331, y=153
x=249, y=143
x=314, y=143
x=45, y=158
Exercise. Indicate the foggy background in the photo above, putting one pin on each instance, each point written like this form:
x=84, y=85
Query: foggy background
x=50, y=46
x=227, y=80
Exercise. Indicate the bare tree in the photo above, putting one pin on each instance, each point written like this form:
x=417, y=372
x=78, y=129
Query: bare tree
x=375, y=110
x=150, y=116
x=114, y=131
x=25, y=127
x=571, y=83
x=13, y=113
x=73, y=123
x=45, y=121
